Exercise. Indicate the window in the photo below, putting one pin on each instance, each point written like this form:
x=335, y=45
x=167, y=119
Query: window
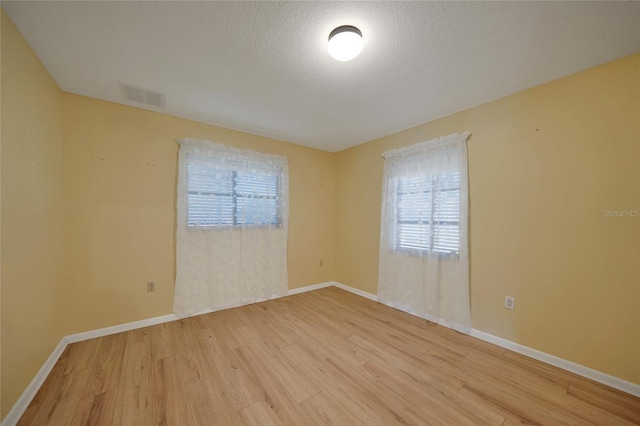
x=428, y=214
x=232, y=216
x=424, y=250
x=223, y=194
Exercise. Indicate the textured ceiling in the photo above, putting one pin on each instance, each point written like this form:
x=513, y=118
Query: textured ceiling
x=263, y=67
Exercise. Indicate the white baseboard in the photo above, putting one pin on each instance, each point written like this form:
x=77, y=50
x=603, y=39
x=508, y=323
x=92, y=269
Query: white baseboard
x=356, y=291
x=92, y=334
x=309, y=288
x=27, y=396
x=581, y=370
x=18, y=409
x=21, y=405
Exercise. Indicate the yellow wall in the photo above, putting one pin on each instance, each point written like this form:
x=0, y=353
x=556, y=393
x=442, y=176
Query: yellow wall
x=83, y=232
x=120, y=166
x=544, y=165
x=88, y=213
x=31, y=214
x=1, y=13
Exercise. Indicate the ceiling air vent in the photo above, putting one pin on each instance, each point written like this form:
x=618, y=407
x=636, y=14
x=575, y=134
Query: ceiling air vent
x=138, y=94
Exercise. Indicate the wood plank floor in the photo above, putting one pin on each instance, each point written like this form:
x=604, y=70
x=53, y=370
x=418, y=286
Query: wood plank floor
x=324, y=357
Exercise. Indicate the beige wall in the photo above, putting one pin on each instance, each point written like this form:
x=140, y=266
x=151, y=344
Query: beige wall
x=88, y=213
x=544, y=164
x=1, y=20
x=120, y=166
x=84, y=231
x=31, y=214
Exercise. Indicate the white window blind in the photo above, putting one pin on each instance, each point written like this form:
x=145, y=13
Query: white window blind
x=428, y=214
x=221, y=194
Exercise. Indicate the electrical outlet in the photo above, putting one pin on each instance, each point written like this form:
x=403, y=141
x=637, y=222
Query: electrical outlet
x=509, y=302
x=151, y=286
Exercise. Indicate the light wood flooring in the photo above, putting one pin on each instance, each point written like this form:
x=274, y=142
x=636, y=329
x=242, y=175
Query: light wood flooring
x=324, y=357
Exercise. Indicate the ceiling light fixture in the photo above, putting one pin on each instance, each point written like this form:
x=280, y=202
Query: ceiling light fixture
x=345, y=43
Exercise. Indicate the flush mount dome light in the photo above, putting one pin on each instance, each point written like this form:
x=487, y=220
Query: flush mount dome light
x=345, y=43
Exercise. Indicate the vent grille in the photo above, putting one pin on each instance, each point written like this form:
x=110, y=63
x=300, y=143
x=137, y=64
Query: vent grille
x=138, y=94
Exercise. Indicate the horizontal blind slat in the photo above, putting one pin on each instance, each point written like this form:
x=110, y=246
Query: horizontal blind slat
x=428, y=213
x=221, y=194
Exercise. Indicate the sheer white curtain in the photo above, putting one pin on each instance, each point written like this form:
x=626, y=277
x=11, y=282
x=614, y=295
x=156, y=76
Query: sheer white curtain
x=424, y=253
x=232, y=224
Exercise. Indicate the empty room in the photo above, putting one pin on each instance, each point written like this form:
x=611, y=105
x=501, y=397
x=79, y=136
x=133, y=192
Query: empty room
x=296, y=213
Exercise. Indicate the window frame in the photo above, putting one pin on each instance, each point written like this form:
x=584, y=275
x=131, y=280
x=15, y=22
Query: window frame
x=234, y=195
x=432, y=188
